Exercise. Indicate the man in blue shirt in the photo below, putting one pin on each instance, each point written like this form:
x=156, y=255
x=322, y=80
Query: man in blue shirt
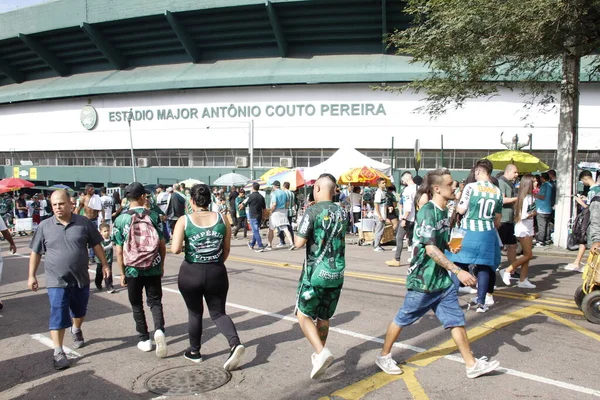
x=279, y=215
x=544, y=210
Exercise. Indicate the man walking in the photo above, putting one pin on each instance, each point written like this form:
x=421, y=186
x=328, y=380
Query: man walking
x=107, y=207
x=176, y=206
x=544, y=210
x=291, y=211
x=506, y=183
x=323, y=231
x=240, y=211
x=407, y=219
x=64, y=239
x=279, y=215
x=256, y=208
x=428, y=284
x=141, y=258
x=380, y=214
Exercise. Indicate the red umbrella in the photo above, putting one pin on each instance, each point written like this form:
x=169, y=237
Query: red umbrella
x=15, y=183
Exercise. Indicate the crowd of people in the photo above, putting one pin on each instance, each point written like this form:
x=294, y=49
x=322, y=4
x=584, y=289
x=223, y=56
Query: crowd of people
x=488, y=213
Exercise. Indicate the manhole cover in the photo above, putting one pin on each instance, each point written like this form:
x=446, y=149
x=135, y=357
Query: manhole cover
x=182, y=381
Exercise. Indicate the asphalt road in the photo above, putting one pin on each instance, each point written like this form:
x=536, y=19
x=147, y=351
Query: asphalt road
x=546, y=348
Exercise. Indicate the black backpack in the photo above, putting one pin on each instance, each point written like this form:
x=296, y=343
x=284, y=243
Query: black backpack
x=582, y=223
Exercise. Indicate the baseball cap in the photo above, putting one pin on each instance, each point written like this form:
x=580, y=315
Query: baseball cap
x=276, y=183
x=169, y=189
x=134, y=190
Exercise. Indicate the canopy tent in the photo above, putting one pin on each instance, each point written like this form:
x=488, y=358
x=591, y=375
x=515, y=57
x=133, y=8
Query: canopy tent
x=343, y=160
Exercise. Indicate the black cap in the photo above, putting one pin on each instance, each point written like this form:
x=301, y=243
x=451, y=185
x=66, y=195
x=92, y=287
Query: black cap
x=276, y=183
x=134, y=190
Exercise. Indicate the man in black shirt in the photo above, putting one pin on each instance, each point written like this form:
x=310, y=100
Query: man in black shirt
x=256, y=207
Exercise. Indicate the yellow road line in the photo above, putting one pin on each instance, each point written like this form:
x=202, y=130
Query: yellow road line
x=558, y=309
x=435, y=353
x=412, y=384
x=573, y=325
x=533, y=297
x=360, y=389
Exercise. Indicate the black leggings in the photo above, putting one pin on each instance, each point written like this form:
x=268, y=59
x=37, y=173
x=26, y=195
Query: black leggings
x=208, y=281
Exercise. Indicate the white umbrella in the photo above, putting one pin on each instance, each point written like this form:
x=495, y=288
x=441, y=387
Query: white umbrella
x=231, y=179
x=191, y=182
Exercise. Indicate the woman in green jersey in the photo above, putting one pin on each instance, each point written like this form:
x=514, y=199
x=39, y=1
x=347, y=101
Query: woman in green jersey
x=205, y=240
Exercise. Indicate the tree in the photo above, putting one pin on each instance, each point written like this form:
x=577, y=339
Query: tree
x=540, y=48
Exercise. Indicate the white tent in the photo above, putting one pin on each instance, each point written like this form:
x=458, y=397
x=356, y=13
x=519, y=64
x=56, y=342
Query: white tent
x=343, y=160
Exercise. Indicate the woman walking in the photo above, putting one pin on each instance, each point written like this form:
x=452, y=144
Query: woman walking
x=205, y=239
x=524, y=215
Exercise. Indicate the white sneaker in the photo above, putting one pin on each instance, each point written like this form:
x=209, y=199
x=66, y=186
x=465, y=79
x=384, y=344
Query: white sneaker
x=388, y=365
x=235, y=356
x=526, y=284
x=378, y=249
x=573, y=267
x=505, y=277
x=489, y=300
x=321, y=362
x=394, y=248
x=481, y=367
x=161, y=344
x=465, y=290
x=482, y=308
x=280, y=245
x=292, y=248
x=145, y=345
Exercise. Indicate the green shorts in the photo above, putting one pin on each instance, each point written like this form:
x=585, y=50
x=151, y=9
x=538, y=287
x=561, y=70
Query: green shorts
x=317, y=303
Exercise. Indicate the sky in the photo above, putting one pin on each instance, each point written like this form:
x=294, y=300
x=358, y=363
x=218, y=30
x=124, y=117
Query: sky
x=10, y=5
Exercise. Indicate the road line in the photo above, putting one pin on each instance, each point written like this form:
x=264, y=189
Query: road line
x=548, y=381
x=46, y=341
x=474, y=334
x=361, y=388
x=413, y=385
x=573, y=325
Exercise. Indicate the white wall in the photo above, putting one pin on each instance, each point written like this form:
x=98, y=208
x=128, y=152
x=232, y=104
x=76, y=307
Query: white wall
x=55, y=125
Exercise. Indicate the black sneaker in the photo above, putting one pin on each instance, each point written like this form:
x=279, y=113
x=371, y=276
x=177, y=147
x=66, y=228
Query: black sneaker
x=235, y=356
x=77, y=339
x=110, y=289
x=193, y=357
x=98, y=287
x=60, y=361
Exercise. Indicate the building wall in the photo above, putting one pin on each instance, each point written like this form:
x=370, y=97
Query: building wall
x=344, y=115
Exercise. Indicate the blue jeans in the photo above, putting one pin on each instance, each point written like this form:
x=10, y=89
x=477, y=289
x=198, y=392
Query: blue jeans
x=67, y=303
x=255, y=225
x=486, y=280
x=444, y=304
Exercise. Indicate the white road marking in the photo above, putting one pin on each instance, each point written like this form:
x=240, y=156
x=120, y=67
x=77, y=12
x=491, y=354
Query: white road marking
x=46, y=341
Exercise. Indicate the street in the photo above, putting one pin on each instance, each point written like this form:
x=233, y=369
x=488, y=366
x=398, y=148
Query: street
x=546, y=348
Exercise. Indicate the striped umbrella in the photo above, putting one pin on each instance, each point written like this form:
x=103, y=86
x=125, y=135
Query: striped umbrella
x=263, y=185
x=272, y=172
x=294, y=176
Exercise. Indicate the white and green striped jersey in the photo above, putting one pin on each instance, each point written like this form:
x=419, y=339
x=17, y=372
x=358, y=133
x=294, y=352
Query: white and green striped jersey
x=483, y=201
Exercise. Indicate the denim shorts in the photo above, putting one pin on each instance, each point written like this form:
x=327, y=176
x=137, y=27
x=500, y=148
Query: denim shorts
x=444, y=304
x=67, y=303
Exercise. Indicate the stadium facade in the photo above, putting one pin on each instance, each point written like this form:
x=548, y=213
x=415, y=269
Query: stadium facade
x=201, y=88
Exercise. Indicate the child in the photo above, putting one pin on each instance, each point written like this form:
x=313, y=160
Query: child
x=108, y=252
x=223, y=206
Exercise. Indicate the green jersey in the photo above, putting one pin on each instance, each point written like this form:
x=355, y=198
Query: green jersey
x=593, y=192
x=240, y=213
x=108, y=251
x=324, y=228
x=120, y=232
x=5, y=205
x=291, y=202
x=431, y=228
x=483, y=201
x=204, y=244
